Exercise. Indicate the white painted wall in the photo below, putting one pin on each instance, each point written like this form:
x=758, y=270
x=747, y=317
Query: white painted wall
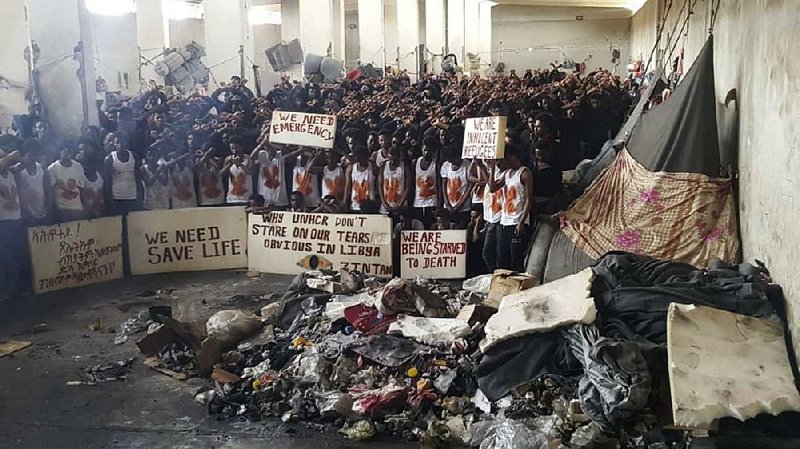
x=182, y=32
x=13, y=66
x=370, y=32
x=435, y=22
x=117, y=52
x=755, y=53
x=408, y=32
x=352, y=43
x=390, y=32
x=226, y=28
x=152, y=35
x=265, y=36
x=553, y=33
x=456, y=28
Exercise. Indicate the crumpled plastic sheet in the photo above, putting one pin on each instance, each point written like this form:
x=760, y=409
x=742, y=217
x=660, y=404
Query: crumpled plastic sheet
x=309, y=368
x=232, y=326
x=368, y=401
x=504, y=433
x=616, y=384
x=403, y=296
x=478, y=284
x=133, y=325
x=332, y=346
x=334, y=310
x=388, y=350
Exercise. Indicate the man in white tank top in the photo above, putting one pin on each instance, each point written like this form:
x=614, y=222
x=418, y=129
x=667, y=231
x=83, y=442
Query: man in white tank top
x=122, y=174
x=67, y=178
x=32, y=184
x=210, y=189
x=271, y=161
x=426, y=187
x=492, y=211
x=456, y=188
x=13, y=254
x=517, y=186
x=239, y=169
x=394, y=180
x=181, y=179
x=305, y=177
x=333, y=177
x=359, y=181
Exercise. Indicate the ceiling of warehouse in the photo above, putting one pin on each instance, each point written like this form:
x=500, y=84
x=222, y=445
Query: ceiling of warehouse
x=633, y=5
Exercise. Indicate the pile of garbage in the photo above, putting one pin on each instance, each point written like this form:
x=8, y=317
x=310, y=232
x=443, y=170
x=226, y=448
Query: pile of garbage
x=493, y=362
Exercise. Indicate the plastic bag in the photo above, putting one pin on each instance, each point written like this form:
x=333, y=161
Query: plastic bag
x=231, y=326
x=478, y=284
x=503, y=433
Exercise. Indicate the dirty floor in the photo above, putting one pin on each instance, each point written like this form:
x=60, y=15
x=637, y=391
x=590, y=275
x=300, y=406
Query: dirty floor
x=69, y=332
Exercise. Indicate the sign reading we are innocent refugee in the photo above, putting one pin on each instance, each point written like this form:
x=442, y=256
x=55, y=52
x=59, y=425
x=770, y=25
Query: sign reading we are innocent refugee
x=293, y=242
x=76, y=253
x=433, y=254
x=298, y=128
x=193, y=239
x=484, y=138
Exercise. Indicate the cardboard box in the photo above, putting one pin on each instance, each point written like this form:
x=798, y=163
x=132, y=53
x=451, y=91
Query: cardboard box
x=505, y=282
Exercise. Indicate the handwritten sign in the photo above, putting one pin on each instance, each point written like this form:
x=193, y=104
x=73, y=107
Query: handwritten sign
x=194, y=239
x=298, y=128
x=433, y=254
x=290, y=243
x=75, y=254
x=484, y=138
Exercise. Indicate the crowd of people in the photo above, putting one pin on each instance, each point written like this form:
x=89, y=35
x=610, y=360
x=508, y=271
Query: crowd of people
x=397, y=152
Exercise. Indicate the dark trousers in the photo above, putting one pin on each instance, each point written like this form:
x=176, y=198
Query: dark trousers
x=425, y=215
x=491, y=245
x=512, y=248
x=13, y=258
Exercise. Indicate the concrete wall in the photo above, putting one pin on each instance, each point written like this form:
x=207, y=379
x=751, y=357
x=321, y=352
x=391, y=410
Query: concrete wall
x=53, y=25
x=352, y=45
x=182, y=32
x=265, y=36
x=553, y=33
x=754, y=52
x=117, y=52
x=12, y=61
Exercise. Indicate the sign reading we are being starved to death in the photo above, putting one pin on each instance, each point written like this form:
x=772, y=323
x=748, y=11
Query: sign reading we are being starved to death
x=293, y=242
x=299, y=128
x=433, y=254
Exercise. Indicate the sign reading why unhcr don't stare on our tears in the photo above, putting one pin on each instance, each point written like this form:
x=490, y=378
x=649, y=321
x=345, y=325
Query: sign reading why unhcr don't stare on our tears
x=291, y=242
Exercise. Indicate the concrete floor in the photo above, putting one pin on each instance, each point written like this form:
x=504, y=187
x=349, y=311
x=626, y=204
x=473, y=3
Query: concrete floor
x=149, y=410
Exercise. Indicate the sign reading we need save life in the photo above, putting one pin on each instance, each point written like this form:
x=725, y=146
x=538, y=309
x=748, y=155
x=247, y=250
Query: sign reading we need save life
x=433, y=254
x=298, y=128
x=294, y=242
x=484, y=138
x=193, y=239
x=75, y=254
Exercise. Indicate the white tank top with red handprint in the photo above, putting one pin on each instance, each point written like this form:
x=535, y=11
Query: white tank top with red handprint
x=363, y=186
x=457, y=183
x=240, y=185
x=513, y=198
x=333, y=182
x=271, y=183
x=493, y=201
x=305, y=182
x=156, y=195
x=209, y=186
x=394, y=182
x=182, y=193
x=426, y=186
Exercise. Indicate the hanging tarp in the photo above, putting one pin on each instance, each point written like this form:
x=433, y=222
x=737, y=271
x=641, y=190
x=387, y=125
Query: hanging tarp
x=680, y=135
x=687, y=217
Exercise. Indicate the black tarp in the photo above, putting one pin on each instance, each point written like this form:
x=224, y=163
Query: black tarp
x=680, y=135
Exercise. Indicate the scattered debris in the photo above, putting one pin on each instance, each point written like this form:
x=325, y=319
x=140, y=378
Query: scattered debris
x=105, y=372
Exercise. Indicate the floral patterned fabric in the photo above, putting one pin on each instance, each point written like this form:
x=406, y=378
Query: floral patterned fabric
x=687, y=217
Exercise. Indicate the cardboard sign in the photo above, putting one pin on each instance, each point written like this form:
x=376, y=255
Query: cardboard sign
x=433, y=254
x=298, y=128
x=194, y=239
x=76, y=253
x=291, y=243
x=484, y=138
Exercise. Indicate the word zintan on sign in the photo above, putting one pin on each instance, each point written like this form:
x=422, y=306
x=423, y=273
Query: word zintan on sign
x=291, y=242
x=484, y=138
x=433, y=254
x=298, y=128
x=194, y=239
x=75, y=254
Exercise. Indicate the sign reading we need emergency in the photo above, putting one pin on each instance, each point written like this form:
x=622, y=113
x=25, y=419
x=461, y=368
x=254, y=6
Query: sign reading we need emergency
x=294, y=242
x=484, y=138
x=298, y=128
x=433, y=254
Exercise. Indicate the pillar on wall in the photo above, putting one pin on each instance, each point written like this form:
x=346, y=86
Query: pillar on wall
x=485, y=30
x=12, y=61
x=456, y=28
x=408, y=35
x=228, y=29
x=435, y=19
x=390, y=33
x=472, y=38
x=152, y=36
x=338, y=29
x=371, y=32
